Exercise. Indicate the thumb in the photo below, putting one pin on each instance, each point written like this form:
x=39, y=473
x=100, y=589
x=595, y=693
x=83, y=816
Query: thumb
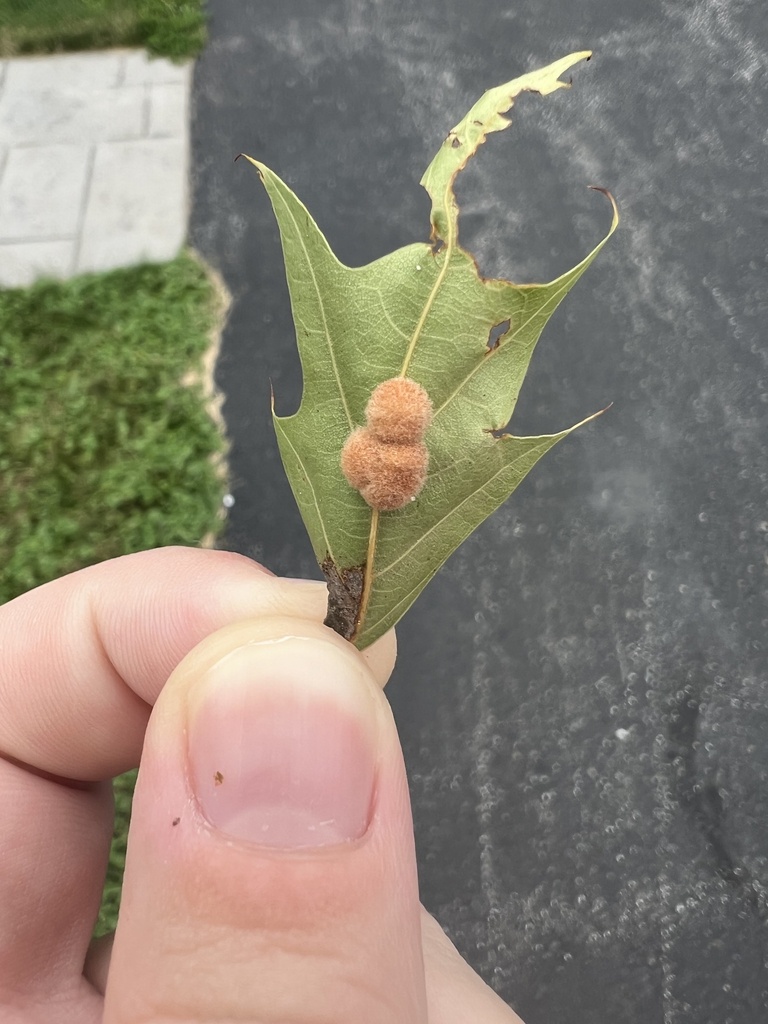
x=270, y=873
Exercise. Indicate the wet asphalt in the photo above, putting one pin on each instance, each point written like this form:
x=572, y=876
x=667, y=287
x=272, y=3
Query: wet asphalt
x=582, y=693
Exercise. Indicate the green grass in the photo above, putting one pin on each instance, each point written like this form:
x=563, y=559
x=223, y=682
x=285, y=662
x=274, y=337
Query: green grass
x=170, y=28
x=103, y=451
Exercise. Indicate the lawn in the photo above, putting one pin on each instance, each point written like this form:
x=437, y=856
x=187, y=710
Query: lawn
x=106, y=446
x=102, y=450
x=170, y=28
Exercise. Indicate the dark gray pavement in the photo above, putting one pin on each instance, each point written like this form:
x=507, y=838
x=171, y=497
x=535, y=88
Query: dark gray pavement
x=583, y=692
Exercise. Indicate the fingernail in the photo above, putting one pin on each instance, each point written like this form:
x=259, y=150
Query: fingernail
x=282, y=744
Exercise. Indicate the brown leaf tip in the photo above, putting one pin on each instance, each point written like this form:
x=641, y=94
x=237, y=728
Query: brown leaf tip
x=387, y=460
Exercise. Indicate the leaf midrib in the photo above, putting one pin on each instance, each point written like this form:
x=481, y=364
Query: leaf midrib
x=431, y=298
x=370, y=559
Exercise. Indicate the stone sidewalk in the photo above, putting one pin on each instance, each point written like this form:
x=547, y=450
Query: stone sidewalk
x=93, y=163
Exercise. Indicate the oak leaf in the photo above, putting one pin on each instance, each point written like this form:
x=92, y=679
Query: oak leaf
x=422, y=312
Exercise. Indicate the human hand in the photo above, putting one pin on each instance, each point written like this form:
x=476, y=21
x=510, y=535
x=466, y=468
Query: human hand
x=271, y=873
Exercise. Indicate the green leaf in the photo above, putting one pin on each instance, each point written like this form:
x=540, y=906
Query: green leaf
x=423, y=312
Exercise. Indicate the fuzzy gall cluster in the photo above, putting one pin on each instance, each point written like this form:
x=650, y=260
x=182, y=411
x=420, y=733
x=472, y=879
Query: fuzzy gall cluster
x=387, y=460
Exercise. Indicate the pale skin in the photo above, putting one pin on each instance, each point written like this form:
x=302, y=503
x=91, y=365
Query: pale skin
x=212, y=927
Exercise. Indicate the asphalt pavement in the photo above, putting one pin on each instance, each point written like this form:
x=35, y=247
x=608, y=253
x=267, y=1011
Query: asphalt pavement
x=582, y=692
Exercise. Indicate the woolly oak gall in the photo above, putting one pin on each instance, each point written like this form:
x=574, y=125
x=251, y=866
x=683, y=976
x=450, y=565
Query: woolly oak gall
x=398, y=411
x=387, y=460
x=387, y=475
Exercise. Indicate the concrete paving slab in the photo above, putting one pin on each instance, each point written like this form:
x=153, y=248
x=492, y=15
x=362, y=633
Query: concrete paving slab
x=22, y=263
x=137, y=206
x=64, y=71
x=168, y=109
x=67, y=115
x=42, y=192
x=93, y=162
x=141, y=69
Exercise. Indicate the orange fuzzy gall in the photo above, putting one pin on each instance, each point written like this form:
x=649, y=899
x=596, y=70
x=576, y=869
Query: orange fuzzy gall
x=388, y=476
x=399, y=411
x=356, y=457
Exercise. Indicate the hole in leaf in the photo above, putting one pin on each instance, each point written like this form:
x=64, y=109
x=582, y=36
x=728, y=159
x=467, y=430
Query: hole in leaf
x=455, y=142
x=496, y=333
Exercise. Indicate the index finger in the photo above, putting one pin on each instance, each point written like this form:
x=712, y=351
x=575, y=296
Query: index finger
x=85, y=656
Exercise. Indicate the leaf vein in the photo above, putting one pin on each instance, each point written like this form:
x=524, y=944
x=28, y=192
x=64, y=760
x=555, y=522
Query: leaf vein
x=503, y=343
x=321, y=304
x=455, y=510
x=307, y=477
